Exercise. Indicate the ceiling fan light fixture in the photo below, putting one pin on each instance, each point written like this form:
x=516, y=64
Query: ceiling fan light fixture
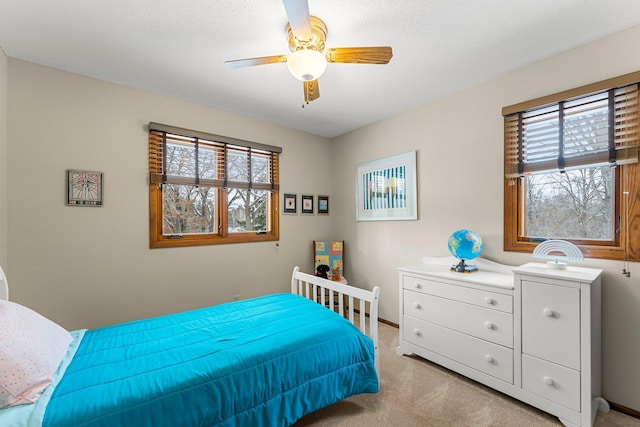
x=307, y=64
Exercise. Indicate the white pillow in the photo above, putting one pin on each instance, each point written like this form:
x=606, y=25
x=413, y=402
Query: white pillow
x=31, y=348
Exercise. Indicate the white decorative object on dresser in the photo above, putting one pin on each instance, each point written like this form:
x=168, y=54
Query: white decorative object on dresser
x=530, y=332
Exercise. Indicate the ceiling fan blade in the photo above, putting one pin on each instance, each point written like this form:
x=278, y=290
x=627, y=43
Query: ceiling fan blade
x=250, y=62
x=299, y=19
x=311, y=91
x=360, y=55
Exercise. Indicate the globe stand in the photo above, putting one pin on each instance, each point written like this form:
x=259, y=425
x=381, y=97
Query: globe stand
x=461, y=267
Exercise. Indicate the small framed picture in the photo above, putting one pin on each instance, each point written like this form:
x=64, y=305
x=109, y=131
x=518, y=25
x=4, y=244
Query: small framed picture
x=290, y=205
x=84, y=188
x=307, y=204
x=323, y=205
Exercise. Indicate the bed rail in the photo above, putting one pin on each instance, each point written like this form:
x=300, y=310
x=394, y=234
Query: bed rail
x=343, y=299
x=4, y=286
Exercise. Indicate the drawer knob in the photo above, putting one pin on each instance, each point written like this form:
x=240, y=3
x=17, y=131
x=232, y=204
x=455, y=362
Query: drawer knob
x=417, y=305
x=489, y=358
x=490, y=301
x=548, y=312
x=417, y=285
x=417, y=332
x=489, y=325
x=548, y=381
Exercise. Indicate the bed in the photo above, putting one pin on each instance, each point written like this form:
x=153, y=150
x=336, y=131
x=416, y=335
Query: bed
x=265, y=361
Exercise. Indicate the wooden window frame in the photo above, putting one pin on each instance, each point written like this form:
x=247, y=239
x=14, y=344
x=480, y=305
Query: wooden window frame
x=626, y=243
x=159, y=240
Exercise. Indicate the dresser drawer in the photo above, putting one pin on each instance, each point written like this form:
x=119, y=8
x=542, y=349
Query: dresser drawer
x=492, y=359
x=553, y=382
x=490, y=325
x=551, y=323
x=481, y=298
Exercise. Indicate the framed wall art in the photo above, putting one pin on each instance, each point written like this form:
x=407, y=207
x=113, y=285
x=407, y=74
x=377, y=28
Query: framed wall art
x=290, y=203
x=386, y=189
x=84, y=188
x=323, y=205
x=307, y=204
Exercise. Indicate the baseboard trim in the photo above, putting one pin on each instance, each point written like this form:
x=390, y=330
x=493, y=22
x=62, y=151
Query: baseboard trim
x=624, y=410
x=387, y=322
x=380, y=319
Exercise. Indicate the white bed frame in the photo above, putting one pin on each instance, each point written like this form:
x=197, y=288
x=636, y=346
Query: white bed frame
x=344, y=300
x=4, y=287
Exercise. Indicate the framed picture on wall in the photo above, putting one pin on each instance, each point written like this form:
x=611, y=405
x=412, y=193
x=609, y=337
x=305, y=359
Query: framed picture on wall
x=323, y=205
x=386, y=189
x=290, y=203
x=84, y=188
x=307, y=204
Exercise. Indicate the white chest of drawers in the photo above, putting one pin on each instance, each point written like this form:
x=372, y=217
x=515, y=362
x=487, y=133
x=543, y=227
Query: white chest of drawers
x=530, y=332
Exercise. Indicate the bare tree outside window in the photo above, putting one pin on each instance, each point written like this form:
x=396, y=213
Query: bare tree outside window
x=188, y=208
x=576, y=204
x=247, y=208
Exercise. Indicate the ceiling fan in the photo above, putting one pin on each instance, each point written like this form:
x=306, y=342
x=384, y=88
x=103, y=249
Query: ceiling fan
x=308, y=60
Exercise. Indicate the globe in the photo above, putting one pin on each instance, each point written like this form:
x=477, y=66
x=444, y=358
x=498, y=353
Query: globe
x=465, y=245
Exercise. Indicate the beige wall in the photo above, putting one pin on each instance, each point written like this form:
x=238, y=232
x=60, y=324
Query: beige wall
x=460, y=186
x=3, y=159
x=90, y=266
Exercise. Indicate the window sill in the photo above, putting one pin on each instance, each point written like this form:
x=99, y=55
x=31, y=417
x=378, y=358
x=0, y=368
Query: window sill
x=200, y=240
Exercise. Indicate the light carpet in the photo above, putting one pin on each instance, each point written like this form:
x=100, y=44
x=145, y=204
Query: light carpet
x=415, y=392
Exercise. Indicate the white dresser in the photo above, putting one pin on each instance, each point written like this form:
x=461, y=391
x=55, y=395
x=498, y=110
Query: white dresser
x=530, y=332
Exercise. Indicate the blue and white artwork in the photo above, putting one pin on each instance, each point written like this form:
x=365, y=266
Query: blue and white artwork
x=386, y=189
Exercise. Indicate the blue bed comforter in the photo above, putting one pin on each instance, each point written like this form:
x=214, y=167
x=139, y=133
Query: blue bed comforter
x=267, y=361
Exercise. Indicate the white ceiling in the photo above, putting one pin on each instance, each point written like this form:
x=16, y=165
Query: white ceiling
x=178, y=47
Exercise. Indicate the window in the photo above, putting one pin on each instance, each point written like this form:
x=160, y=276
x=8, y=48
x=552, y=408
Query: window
x=207, y=189
x=571, y=170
